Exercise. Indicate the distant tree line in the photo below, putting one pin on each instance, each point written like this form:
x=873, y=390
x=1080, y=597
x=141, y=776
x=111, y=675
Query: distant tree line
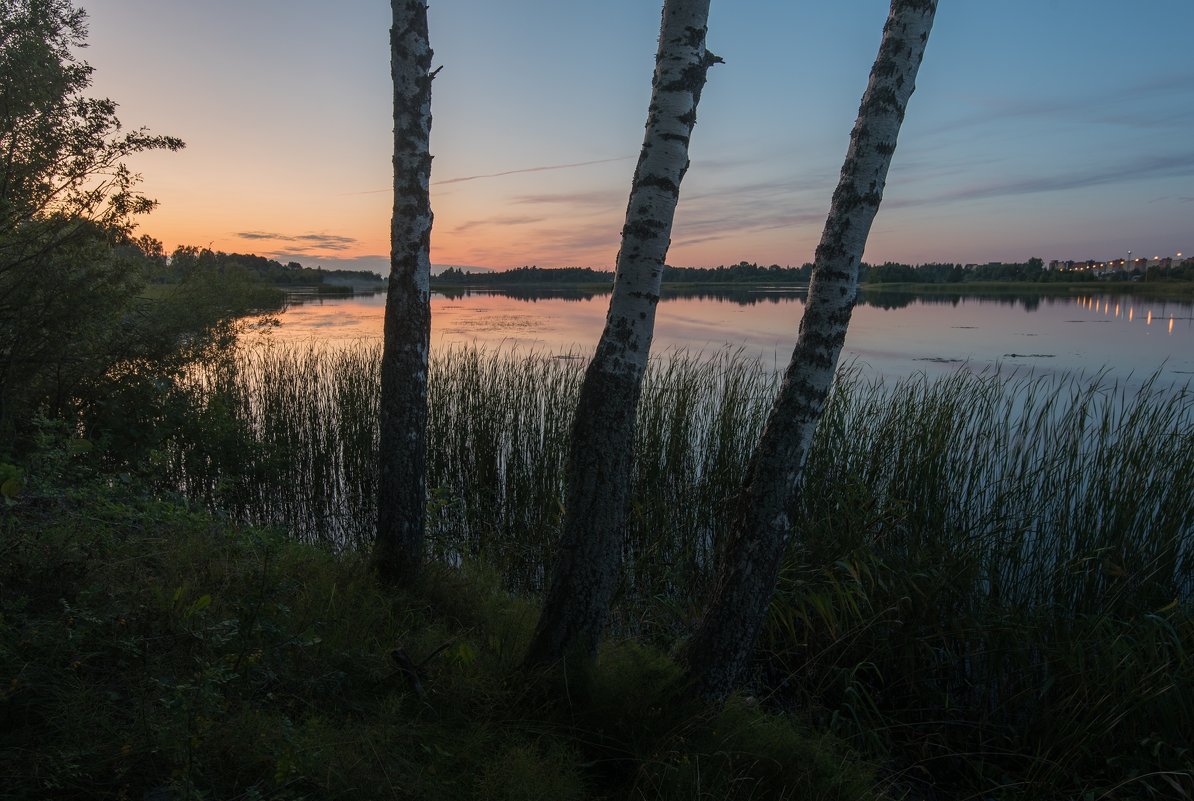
x=188, y=260
x=891, y=272
x=1031, y=271
x=526, y=275
x=743, y=272
x=1178, y=272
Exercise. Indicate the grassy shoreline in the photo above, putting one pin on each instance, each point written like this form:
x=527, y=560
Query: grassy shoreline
x=990, y=593
x=150, y=651
x=964, y=542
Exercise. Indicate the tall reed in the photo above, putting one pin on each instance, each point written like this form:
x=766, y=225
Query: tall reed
x=993, y=573
x=992, y=560
x=299, y=440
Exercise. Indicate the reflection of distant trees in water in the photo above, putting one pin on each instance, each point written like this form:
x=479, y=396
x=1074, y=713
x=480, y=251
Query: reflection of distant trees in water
x=310, y=297
x=743, y=296
x=529, y=294
x=755, y=295
x=1029, y=301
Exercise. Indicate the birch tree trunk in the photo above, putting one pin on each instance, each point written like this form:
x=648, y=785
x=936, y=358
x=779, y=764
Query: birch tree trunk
x=597, y=475
x=750, y=558
x=402, y=485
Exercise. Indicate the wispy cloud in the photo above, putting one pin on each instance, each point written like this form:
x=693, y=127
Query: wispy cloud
x=1096, y=175
x=503, y=173
x=1105, y=106
x=725, y=211
x=601, y=199
x=306, y=242
x=542, y=168
x=736, y=220
x=500, y=220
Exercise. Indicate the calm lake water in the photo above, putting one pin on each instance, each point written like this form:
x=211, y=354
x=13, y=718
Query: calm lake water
x=892, y=334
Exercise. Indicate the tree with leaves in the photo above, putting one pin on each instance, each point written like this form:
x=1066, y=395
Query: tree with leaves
x=62, y=154
x=597, y=475
x=750, y=557
x=68, y=206
x=402, y=485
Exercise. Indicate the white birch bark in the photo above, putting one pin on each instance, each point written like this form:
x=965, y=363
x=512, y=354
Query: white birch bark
x=402, y=483
x=750, y=558
x=597, y=475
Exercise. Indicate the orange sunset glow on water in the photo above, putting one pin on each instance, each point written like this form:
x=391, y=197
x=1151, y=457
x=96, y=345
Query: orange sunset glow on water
x=1125, y=335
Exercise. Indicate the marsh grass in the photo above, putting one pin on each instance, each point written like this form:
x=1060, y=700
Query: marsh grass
x=992, y=575
x=995, y=572
x=151, y=652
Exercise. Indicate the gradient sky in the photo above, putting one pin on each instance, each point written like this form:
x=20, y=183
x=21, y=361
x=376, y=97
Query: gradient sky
x=1052, y=128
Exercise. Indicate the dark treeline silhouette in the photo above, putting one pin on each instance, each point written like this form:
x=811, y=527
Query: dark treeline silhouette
x=187, y=260
x=525, y=275
x=743, y=272
x=945, y=273
x=1032, y=271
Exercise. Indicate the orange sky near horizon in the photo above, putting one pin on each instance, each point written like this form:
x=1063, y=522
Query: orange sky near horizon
x=1020, y=141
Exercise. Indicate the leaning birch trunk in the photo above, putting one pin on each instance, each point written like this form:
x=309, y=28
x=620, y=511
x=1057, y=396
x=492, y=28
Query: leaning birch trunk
x=597, y=475
x=749, y=559
x=402, y=484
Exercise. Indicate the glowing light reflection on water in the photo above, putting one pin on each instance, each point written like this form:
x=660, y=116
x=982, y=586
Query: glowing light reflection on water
x=893, y=334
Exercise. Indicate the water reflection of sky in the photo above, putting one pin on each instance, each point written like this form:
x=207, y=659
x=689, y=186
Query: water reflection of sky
x=893, y=335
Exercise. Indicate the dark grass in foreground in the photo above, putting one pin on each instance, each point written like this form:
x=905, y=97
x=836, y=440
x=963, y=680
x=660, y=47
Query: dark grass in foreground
x=148, y=652
x=992, y=579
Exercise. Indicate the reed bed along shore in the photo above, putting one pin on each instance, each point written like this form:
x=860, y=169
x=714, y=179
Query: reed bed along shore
x=993, y=574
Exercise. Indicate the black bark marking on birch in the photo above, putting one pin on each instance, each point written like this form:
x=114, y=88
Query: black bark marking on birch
x=694, y=37
x=643, y=229
x=650, y=297
x=661, y=182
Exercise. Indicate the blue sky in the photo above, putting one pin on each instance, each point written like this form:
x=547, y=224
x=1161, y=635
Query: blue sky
x=1054, y=128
